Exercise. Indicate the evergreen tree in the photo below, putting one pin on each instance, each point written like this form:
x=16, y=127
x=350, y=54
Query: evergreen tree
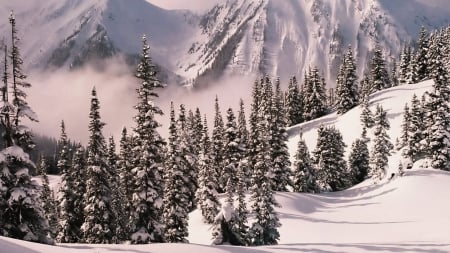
x=394, y=74
x=421, y=60
x=382, y=145
x=79, y=170
x=379, y=78
x=218, y=146
x=294, y=103
x=148, y=147
x=231, y=154
x=69, y=229
x=366, y=114
x=243, y=137
x=404, y=68
x=21, y=213
x=48, y=202
x=329, y=158
x=176, y=190
x=206, y=193
x=358, y=161
x=347, y=93
x=125, y=181
x=315, y=96
x=304, y=172
x=98, y=214
x=416, y=129
x=278, y=144
x=240, y=227
x=404, y=140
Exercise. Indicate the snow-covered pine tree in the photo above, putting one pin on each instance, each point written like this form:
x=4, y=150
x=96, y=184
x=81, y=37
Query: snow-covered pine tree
x=314, y=105
x=48, y=202
x=98, y=226
x=125, y=184
x=358, y=161
x=304, y=172
x=68, y=229
x=187, y=156
x=176, y=189
x=79, y=170
x=329, y=159
x=415, y=129
x=294, y=103
x=439, y=132
x=382, y=146
x=366, y=116
x=231, y=153
x=421, y=61
x=264, y=230
x=347, y=92
x=240, y=227
x=278, y=143
x=148, y=149
x=218, y=146
x=206, y=192
x=404, y=68
x=394, y=74
x=404, y=139
x=243, y=136
x=21, y=213
x=118, y=200
x=379, y=77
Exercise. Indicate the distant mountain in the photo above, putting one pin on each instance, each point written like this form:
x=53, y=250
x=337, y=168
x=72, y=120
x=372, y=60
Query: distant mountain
x=277, y=37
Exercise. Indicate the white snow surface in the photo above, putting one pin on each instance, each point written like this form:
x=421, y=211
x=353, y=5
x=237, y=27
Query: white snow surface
x=404, y=214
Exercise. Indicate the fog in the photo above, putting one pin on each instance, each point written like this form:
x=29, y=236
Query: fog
x=194, y=5
x=66, y=95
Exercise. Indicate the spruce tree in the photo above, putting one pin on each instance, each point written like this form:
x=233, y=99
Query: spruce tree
x=329, y=158
x=358, y=161
x=48, y=202
x=240, y=227
x=294, y=103
x=148, y=149
x=366, y=116
x=404, y=139
x=379, y=77
x=125, y=180
x=278, y=144
x=347, y=93
x=404, y=67
x=69, y=230
x=304, y=172
x=416, y=129
x=315, y=96
x=206, y=192
x=79, y=170
x=98, y=214
x=243, y=137
x=218, y=146
x=231, y=154
x=420, y=71
x=382, y=145
x=176, y=190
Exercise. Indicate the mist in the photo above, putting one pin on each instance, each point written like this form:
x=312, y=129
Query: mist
x=66, y=95
x=194, y=5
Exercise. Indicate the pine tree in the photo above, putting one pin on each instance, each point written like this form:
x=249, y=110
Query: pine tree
x=148, y=147
x=405, y=127
x=264, y=230
x=347, y=93
x=69, y=230
x=278, y=144
x=231, y=154
x=294, y=103
x=415, y=129
x=48, y=202
x=439, y=132
x=394, y=74
x=240, y=227
x=207, y=193
x=382, y=145
x=176, y=190
x=21, y=213
x=125, y=181
x=79, y=170
x=379, y=78
x=315, y=96
x=358, y=161
x=329, y=158
x=304, y=172
x=421, y=60
x=97, y=226
x=243, y=137
x=217, y=146
x=404, y=68
x=366, y=114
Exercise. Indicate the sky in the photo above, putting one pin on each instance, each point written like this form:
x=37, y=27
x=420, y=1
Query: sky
x=195, y=5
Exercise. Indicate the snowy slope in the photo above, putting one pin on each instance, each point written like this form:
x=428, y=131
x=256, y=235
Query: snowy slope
x=405, y=214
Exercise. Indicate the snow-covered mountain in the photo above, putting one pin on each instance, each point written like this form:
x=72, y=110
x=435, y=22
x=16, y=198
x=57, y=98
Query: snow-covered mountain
x=277, y=37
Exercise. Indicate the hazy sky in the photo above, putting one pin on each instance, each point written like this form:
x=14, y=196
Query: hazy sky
x=196, y=5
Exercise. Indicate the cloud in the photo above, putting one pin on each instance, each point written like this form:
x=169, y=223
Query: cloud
x=65, y=95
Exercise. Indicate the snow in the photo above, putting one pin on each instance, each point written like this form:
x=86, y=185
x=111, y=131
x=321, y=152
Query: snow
x=405, y=214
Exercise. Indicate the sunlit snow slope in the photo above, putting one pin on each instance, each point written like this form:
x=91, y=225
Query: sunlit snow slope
x=404, y=214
